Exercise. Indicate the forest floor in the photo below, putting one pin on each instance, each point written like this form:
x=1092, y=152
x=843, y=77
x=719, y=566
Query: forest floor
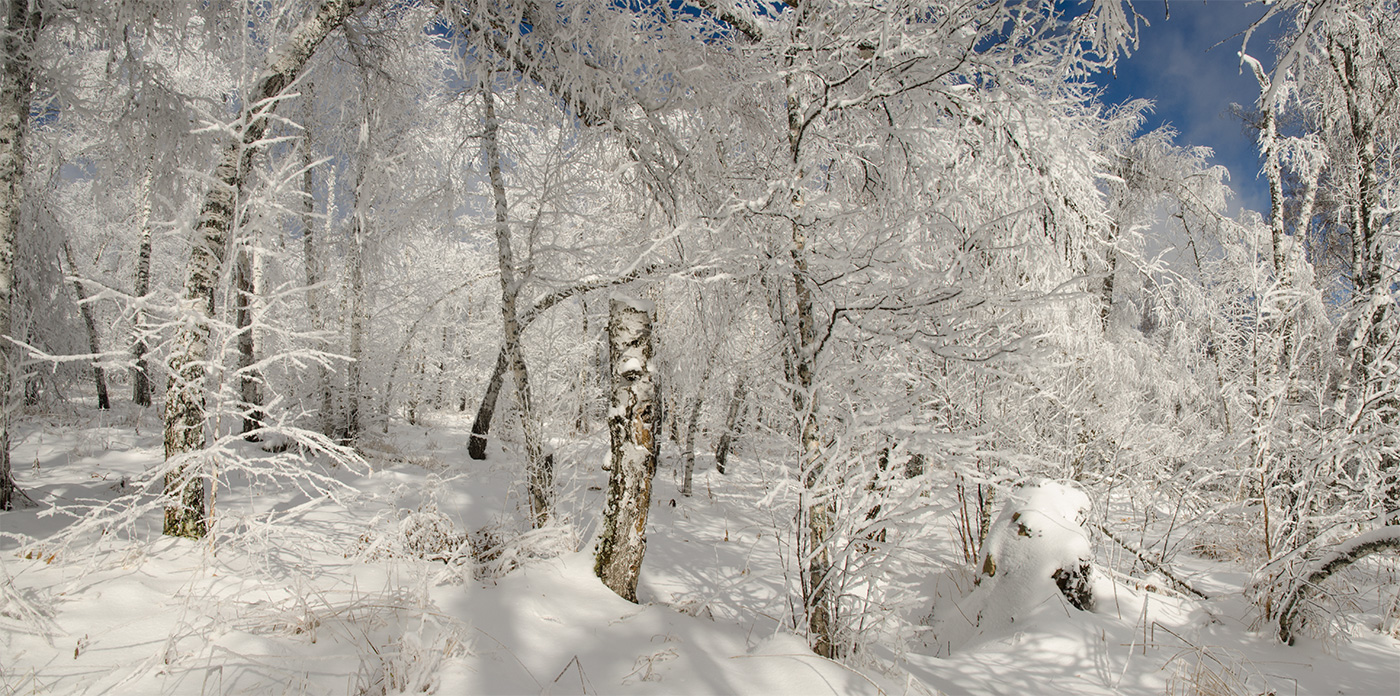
x=421, y=581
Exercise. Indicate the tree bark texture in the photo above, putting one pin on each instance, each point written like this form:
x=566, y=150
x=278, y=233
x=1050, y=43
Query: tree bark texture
x=185, y=397
x=632, y=436
x=481, y=424
x=693, y=425
x=817, y=506
x=16, y=82
x=540, y=476
x=731, y=426
x=99, y=377
x=354, y=371
x=245, y=290
x=140, y=375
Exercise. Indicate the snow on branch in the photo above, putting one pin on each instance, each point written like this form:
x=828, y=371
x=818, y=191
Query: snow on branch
x=1324, y=563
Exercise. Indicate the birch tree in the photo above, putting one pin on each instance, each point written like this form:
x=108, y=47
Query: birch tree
x=184, y=403
x=846, y=85
x=22, y=21
x=633, y=447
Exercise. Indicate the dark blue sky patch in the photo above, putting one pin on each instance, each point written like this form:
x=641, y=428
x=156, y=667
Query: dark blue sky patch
x=1189, y=66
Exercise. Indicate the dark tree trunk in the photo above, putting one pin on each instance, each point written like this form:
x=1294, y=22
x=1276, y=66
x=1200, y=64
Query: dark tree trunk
x=21, y=29
x=248, y=378
x=731, y=426
x=140, y=375
x=481, y=425
x=99, y=377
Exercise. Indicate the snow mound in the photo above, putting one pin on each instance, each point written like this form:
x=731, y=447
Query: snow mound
x=1037, y=555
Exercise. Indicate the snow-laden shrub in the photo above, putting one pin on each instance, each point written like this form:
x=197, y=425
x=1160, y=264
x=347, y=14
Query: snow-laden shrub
x=497, y=549
x=412, y=664
x=1037, y=554
x=424, y=533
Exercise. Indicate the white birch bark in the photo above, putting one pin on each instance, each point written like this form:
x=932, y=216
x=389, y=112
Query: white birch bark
x=632, y=462
x=817, y=506
x=185, y=396
x=540, y=474
x=140, y=377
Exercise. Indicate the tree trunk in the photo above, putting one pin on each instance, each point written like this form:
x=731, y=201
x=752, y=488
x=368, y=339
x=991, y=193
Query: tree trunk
x=140, y=374
x=817, y=507
x=693, y=425
x=582, y=387
x=631, y=430
x=16, y=82
x=245, y=290
x=355, y=259
x=731, y=426
x=99, y=377
x=185, y=397
x=481, y=425
x=310, y=260
x=1373, y=320
x=540, y=474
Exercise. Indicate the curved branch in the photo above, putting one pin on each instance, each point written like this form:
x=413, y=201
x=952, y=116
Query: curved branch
x=1327, y=563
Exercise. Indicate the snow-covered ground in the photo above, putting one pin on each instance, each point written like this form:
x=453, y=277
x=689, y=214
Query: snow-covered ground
x=334, y=595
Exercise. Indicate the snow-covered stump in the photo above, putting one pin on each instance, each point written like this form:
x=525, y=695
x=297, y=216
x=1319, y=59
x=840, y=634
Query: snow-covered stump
x=622, y=542
x=1036, y=552
x=1322, y=565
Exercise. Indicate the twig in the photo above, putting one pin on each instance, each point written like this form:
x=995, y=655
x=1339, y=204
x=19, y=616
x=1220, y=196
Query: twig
x=1154, y=565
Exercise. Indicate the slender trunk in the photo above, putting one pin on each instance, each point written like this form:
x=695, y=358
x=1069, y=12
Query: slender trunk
x=693, y=425
x=310, y=261
x=481, y=425
x=817, y=505
x=1274, y=173
x=440, y=392
x=632, y=436
x=540, y=476
x=21, y=28
x=1106, y=299
x=354, y=370
x=99, y=377
x=1374, y=325
x=731, y=426
x=140, y=374
x=248, y=378
x=184, y=403
x=582, y=385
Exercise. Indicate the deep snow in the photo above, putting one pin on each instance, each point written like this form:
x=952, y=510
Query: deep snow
x=331, y=598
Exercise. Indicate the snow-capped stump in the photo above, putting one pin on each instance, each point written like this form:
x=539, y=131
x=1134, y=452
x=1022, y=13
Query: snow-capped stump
x=1036, y=552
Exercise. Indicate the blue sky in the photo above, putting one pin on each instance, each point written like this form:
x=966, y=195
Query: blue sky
x=1193, y=81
